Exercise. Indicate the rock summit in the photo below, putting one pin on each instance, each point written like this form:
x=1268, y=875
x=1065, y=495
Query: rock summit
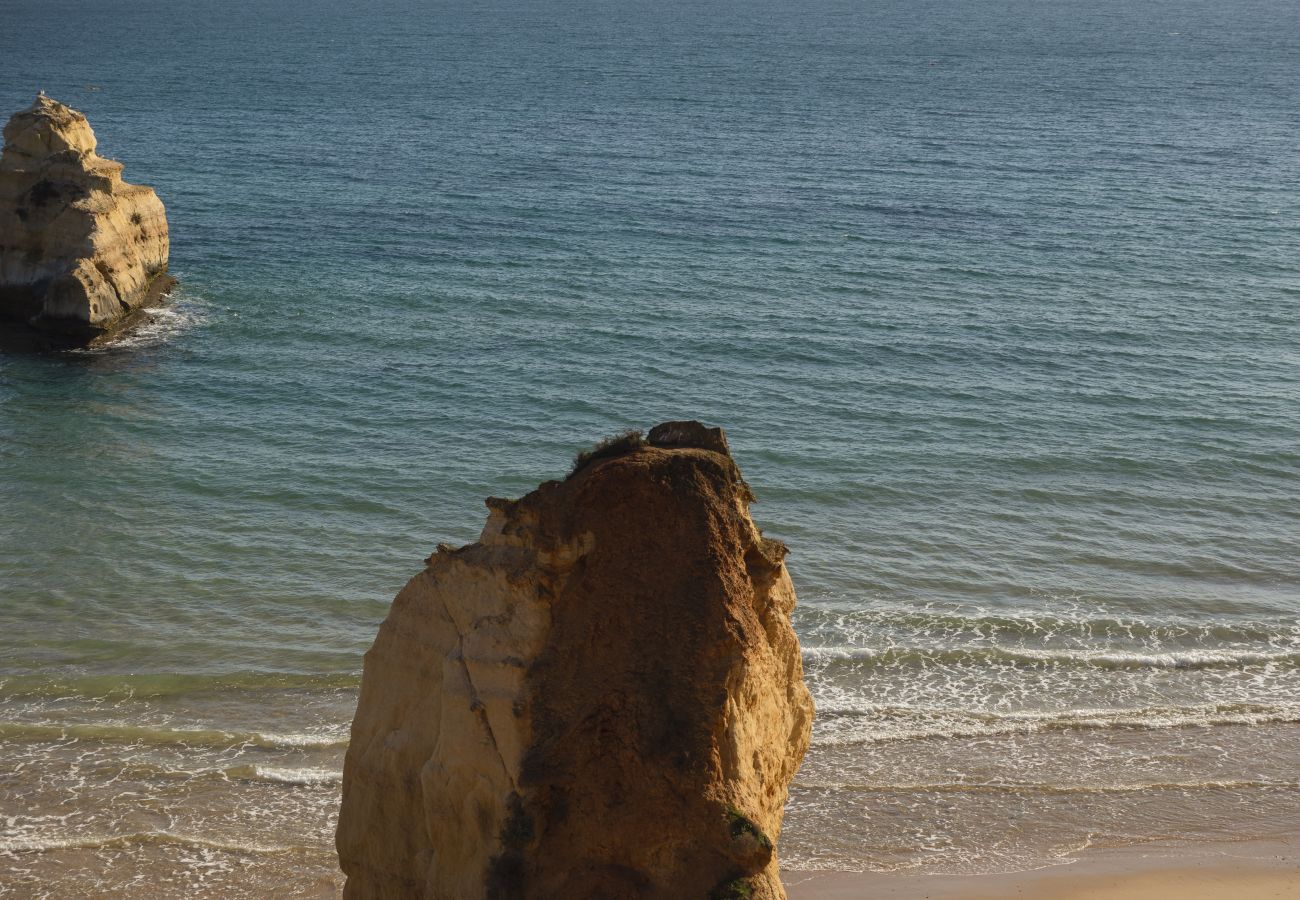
x=601, y=698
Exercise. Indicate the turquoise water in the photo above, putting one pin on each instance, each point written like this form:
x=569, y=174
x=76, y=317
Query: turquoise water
x=998, y=302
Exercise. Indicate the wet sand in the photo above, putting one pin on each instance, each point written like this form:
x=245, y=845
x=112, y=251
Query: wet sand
x=1255, y=870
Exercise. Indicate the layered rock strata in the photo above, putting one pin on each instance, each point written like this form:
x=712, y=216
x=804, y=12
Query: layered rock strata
x=80, y=249
x=601, y=698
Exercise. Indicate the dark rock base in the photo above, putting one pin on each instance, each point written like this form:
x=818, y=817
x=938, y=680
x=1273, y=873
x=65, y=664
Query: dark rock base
x=21, y=331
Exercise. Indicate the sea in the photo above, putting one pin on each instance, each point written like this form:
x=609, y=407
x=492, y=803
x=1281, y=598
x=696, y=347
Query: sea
x=997, y=300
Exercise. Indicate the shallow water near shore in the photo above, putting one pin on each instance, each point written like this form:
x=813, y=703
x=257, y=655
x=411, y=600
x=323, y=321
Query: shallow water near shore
x=998, y=304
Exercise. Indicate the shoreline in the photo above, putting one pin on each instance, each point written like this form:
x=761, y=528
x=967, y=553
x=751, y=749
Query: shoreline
x=1248, y=870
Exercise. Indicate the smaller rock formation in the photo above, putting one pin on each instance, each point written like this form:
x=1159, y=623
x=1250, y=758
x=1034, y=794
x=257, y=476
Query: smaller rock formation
x=601, y=699
x=80, y=249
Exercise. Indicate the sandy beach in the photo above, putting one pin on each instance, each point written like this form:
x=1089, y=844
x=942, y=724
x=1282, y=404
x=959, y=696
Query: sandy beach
x=1254, y=870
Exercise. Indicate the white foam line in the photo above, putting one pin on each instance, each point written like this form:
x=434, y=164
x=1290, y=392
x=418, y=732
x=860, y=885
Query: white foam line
x=40, y=845
x=1186, y=659
x=962, y=724
x=285, y=775
x=958, y=787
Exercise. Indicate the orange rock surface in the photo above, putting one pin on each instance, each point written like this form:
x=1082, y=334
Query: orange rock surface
x=602, y=697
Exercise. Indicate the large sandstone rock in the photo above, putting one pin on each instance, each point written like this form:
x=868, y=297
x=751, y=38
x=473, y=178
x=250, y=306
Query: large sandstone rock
x=80, y=249
x=602, y=698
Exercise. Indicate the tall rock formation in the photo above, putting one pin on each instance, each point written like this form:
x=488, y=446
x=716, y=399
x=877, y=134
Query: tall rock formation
x=80, y=249
x=601, y=698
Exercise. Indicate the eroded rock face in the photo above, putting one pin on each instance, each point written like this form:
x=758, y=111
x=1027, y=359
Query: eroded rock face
x=601, y=698
x=80, y=249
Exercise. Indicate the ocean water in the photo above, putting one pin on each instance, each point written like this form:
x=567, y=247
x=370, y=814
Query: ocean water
x=998, y=301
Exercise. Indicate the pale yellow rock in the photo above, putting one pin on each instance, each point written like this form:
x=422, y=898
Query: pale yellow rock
x=601, y=698
x=80, y=249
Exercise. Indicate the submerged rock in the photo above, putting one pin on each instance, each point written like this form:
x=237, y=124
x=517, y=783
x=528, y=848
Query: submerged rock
x=80, y=249
x=601, y=698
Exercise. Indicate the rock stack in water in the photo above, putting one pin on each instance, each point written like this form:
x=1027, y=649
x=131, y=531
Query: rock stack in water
x=80, y=249
x=602, y=698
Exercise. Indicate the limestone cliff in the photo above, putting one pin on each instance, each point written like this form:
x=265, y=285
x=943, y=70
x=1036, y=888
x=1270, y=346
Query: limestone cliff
x=601, y=698
x=80, y=249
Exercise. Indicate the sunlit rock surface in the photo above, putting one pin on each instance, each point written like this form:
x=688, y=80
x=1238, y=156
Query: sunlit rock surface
x=602, y=697
x=80, y=249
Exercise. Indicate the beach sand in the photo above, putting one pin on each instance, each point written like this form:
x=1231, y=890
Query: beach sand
x=1248, y=871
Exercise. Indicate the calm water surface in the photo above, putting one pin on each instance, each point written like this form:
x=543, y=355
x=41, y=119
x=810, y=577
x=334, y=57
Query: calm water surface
x=998, y=302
